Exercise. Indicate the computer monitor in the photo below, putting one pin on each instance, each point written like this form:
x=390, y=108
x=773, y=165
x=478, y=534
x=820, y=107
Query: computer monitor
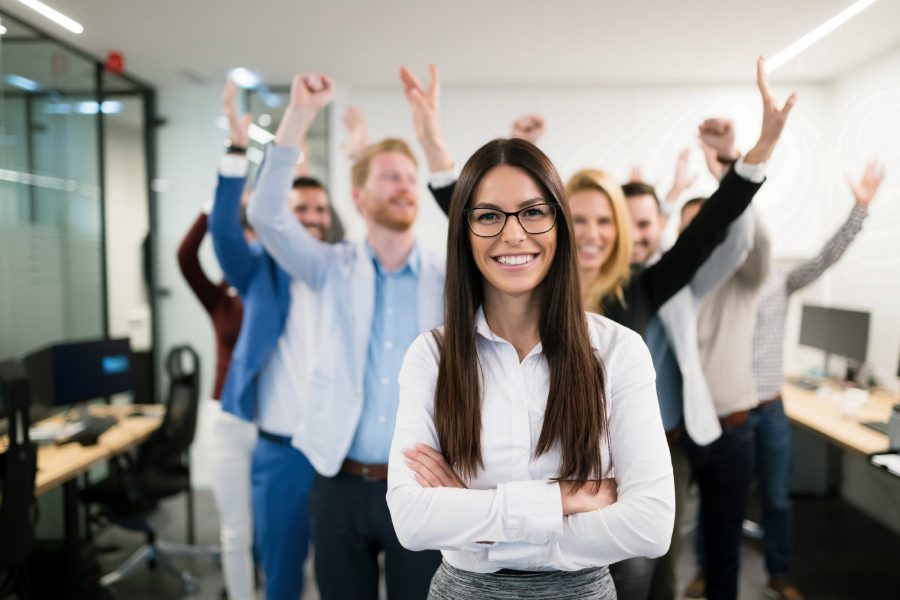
x=72, y=372
x=835, y=331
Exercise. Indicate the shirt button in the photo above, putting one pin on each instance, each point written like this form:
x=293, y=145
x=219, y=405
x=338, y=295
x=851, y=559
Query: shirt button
x=523, y=451
x=390, y=310
x=385, y=380
x=359, y=391
x=388, y=345
x=382, y=419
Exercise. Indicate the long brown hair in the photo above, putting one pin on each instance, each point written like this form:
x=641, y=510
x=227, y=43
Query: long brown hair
x=575, y=417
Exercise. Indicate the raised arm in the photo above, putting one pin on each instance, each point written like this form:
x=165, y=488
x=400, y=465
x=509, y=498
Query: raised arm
x=235, y=256
x=708, y=229
x=283, y=237
x=425, y=109
x=682, y=181
x=357, y=133
x=189, y=263
x=864, y=191
x=717, y=139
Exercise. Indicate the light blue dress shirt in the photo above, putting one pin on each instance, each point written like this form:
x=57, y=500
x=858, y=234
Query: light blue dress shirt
x=343, y=277
x=669, y=386
x=395, y=326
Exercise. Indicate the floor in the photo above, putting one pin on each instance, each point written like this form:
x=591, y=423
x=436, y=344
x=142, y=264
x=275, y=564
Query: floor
x=841, y=554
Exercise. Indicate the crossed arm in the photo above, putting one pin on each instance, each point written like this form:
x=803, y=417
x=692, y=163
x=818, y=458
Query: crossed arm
x=524, y=520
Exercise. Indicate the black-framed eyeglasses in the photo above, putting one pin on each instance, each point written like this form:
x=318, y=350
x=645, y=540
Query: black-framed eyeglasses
x=489, y=222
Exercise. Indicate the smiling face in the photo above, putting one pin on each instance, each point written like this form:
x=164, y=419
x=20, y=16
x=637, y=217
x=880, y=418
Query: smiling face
x=647, y=226
x=389, y=196
x=514, y=262
x=595, y=228
x=310, y=206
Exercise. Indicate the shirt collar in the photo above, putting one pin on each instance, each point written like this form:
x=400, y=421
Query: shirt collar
x=413, y=261
x=484, y=330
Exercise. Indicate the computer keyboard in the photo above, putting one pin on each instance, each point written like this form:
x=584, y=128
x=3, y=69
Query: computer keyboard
x=806, y=383
x=94, y=427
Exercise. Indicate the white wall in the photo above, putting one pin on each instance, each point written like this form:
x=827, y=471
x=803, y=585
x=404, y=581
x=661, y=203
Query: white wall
x=862, y=122
x=126, y=226
x=190, y=146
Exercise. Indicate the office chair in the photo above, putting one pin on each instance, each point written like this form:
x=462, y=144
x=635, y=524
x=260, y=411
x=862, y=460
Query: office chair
x=17, y=472
x=160, y=469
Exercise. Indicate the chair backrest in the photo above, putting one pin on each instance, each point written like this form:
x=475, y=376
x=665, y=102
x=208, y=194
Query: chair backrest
x=176, y=434
x=17, y=468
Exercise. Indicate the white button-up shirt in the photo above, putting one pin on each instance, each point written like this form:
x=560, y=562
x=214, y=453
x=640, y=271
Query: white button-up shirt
x=512, y=501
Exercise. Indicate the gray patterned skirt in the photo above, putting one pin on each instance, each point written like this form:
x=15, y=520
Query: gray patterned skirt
x=450, y=583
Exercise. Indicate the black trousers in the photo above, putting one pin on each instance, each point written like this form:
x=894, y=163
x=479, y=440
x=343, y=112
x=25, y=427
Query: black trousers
x=723, y=471
x=351, y=525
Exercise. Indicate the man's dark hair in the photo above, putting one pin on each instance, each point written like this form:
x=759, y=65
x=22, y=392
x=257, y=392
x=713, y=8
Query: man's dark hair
x=639, y=188
x=308, y=182
x=698, y=200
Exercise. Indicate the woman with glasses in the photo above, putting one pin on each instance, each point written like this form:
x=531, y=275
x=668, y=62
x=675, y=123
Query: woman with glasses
x=514, y=450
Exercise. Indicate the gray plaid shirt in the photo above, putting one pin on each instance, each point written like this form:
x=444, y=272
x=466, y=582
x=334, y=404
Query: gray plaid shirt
x=768, y=337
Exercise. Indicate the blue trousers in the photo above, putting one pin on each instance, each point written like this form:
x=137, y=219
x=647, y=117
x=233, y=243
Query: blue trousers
x=282, y=479
x=773, y=470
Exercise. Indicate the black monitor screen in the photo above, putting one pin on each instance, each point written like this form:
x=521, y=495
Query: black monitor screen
x=835, y=330
x=73, y=372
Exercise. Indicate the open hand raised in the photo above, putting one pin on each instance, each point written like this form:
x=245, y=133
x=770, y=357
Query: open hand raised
x=239, y=126
x=774, y=117
x=868, y=185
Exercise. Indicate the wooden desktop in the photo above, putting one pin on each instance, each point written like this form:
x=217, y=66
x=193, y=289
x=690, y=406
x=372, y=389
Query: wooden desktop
x=813, y=410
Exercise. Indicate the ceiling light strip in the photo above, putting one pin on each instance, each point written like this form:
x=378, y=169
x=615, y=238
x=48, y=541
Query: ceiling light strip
x=54, y=15
x=817, y=34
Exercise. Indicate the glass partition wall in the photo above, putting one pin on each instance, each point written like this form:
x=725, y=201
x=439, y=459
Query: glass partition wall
x=74, y=197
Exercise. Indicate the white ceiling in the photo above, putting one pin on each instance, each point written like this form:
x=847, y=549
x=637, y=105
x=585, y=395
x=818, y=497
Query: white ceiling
x=473, y=41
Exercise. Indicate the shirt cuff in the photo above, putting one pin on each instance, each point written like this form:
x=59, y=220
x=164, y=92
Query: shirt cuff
x=533, y=511
x=233, y=165
x=442, y=179
x=753, y=173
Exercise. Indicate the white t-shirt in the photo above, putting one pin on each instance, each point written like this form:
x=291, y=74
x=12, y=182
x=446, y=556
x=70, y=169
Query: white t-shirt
x=284, y=379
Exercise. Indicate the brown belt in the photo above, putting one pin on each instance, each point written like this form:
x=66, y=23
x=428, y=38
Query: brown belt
x=369, y=472
x=673, y=436
x=735, y=419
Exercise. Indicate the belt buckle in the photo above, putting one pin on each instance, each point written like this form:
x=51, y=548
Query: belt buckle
x=364, y=473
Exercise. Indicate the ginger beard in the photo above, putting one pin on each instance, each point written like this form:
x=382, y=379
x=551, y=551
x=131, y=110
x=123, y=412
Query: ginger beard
x=389, y=197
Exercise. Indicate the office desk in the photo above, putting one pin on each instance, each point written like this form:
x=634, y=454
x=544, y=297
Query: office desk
x=810, y=410
x=59, y=464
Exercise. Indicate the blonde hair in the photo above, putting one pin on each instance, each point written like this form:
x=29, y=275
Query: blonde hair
x=360, y=171
x=615, y=271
